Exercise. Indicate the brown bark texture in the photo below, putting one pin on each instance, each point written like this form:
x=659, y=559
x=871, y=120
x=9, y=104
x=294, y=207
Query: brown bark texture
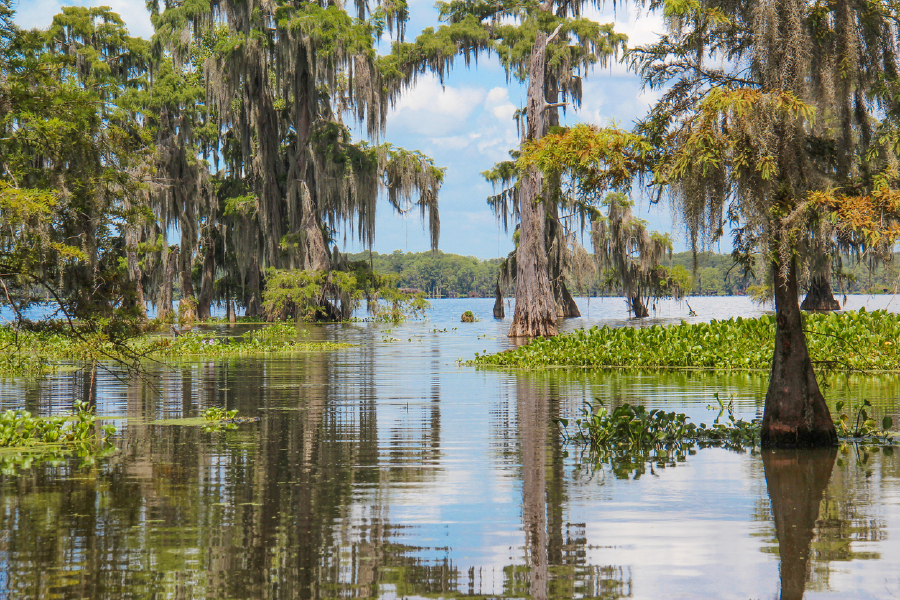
x=637, y=307
x=499, y=311
x=187, y=278
x=820, y=296
x=535, y=306
x=795, y=413
x=207, y=280
x=796, y=480
x=252, y=300
x=134, y=272
x=565, y=304
x=166, y=297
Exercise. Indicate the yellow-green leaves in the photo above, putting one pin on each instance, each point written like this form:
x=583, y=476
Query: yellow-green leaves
x=732, y=132
x=598, y=158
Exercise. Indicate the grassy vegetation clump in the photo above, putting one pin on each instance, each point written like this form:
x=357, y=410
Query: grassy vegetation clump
x=851, y=341
x=30, y=353
x=268, y=340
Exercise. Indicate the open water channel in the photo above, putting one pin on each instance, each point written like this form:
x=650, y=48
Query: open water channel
x=388, y=470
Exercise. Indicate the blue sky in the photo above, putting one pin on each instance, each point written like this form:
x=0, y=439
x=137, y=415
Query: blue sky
x=465, y=125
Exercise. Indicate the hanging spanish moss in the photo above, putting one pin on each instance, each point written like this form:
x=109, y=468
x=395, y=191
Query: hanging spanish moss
x=279, y=79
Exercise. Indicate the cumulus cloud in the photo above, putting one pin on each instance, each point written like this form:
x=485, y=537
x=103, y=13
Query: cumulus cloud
x=434, y=110
x=40, y=13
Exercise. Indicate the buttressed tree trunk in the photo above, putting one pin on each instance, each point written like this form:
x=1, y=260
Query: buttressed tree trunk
x=638, y=308
x=795, y=414
x=556, y=250
x=535, y=313
x=820, y=296
x=499, y=312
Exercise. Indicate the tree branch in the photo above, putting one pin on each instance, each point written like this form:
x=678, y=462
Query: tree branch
x=558, y=27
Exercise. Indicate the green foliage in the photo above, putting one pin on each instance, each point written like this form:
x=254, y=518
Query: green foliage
x=437, y=274
x=218, y=419
x=636, y=428
x=628, y=437
x=38, y=351
x=215, y=413
x=468, y=317
x=21, y=429
x=261, y=341
x=316, y=295
x=862, y=424
x=852, y=341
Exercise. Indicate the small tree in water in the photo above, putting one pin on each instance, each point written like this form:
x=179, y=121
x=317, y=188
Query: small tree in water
x=765, y=145
x=631, y=254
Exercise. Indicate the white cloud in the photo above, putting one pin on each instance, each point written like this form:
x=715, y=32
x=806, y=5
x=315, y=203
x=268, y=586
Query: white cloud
x=434, y=110
x=40, y=13
x=641, y=27
x=498, y=104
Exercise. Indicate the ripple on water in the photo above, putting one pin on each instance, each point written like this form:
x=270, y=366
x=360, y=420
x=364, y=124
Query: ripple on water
x=388, y=470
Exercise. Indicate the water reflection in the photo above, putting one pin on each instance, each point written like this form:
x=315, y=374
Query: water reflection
x=796, y=480
x=555, y=559
x=391, y=471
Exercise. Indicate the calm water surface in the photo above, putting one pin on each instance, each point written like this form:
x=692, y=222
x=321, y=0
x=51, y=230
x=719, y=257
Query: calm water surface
x=390, y=471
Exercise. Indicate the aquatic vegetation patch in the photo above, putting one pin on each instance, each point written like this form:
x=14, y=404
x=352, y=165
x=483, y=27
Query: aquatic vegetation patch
x=858, y=423
x=17, y=364
x=32, y=353
x=213, y=419
x=629, y=437
x=264, y=341
x=635, y=427
x=21, y=429
x=852, y=341
x=26, y=439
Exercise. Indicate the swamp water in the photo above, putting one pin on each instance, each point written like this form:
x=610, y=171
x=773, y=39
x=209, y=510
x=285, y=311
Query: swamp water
x=388, y=470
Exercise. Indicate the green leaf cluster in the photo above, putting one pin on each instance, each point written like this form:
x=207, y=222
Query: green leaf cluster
x=21, y=429
x=851, y=341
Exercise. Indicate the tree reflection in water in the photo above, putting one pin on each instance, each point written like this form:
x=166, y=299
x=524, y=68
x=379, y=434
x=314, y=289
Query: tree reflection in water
x=796, y=480
x=555, y=560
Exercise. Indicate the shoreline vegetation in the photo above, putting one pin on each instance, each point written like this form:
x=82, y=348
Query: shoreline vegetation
x=32, y=354
x=442, y=274
x=854, y=341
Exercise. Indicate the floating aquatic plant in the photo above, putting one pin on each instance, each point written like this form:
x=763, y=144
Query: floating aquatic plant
x=851, y=341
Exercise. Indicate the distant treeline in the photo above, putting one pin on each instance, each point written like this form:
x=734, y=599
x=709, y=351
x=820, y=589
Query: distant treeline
x=439, y=274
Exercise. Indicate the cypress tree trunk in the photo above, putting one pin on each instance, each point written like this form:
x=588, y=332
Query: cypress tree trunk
x=795, y=413
x=207, y=279
x=165, y=299
x=566, y=307
x=796, y=480
x=187, y=277
x=253, y=300
x=499, y=312
x=535, y=306
x=820, y=296
x=637, y=307
x=134, y=272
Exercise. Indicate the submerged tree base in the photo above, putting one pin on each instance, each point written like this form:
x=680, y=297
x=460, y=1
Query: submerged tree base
x=820, y=296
